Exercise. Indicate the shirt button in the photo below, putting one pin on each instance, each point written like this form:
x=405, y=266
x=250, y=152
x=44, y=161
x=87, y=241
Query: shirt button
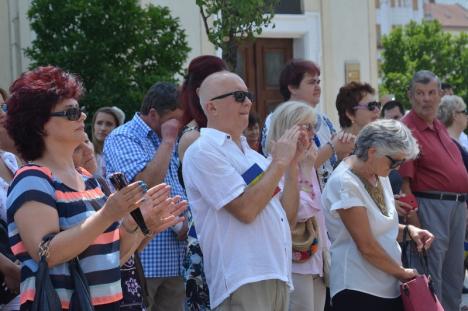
x=281, y=219
x=228, y=137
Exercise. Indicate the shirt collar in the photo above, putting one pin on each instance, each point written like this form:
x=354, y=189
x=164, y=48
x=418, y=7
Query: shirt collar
x=142, y=126
x=422, y=125
x=218, y=136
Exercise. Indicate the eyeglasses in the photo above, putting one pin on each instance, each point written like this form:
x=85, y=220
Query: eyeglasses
x=395, y=163
x=72, y=113
x=4, y=107
x=465, y=112
x=309, y=127
x=371, y=106
x=239, y=96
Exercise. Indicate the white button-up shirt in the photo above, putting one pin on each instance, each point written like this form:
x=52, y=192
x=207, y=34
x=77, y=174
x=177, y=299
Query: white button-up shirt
x=234, y=253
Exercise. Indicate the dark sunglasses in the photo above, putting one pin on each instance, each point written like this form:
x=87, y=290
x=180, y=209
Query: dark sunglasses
x=395, y=163
x=371, y=106
x=72, y=113
x=239, y=96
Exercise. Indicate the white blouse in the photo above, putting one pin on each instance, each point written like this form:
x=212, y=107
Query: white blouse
x=349, y=270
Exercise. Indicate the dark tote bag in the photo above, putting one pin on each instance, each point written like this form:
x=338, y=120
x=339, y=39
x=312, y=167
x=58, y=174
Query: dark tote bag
x=46, y=298
x=418, y=294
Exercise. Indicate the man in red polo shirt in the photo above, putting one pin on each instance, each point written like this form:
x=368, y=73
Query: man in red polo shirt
x=439, y=180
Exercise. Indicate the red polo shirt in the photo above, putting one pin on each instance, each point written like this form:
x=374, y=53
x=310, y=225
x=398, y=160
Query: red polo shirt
x=439, y=167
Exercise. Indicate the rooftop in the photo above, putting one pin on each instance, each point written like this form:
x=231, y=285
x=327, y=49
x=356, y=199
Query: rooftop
x=448, y=15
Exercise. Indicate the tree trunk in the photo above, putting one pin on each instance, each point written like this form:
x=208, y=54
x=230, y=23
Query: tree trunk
x=230, y=54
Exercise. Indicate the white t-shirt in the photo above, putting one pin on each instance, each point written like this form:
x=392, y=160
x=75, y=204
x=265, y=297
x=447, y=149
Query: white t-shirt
x=464, y=140
x=349, y=270
x=235, y=253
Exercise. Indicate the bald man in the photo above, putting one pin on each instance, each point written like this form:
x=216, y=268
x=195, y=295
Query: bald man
x=241, y=219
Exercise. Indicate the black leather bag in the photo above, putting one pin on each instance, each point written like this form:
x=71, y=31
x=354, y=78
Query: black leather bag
x=81, y=298
x=46, y=298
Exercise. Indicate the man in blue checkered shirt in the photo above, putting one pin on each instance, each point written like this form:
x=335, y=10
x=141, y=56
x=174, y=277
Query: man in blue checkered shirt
x=145, y=149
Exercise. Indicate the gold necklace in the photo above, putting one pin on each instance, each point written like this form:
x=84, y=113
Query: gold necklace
x=376, y=193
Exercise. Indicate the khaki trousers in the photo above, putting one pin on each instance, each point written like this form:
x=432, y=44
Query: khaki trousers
x=166, y=294
x=309, y=293
x=269, y=295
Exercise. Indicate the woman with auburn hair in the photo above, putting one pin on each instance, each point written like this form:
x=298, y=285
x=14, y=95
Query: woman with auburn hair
x=50, y=196
x=309, y=234
x=194, y=118
x=357, y=106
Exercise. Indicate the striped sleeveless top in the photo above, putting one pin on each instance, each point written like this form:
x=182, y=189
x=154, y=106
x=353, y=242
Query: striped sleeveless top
x=99, y=262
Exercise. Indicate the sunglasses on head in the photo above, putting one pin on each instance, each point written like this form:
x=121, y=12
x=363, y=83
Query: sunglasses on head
x=239, y=96
x=72, y=113
x=395, y=163
x=371, y=106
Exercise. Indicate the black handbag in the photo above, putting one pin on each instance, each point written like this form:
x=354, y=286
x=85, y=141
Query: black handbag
x=46, y=298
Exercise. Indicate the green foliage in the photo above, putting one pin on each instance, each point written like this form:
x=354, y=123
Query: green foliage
x=423, y=46
x=229, y=22
x=118, y=48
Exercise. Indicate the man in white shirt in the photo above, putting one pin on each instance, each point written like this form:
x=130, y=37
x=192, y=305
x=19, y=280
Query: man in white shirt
x=241, y=220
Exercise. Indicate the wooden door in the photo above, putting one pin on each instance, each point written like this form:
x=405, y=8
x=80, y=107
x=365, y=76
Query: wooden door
x=260, y=64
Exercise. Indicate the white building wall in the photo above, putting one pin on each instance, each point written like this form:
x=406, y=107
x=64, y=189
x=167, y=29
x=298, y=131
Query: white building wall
x=388, y=17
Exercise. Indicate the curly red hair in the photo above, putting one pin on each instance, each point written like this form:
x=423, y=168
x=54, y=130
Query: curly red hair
x=33, y=96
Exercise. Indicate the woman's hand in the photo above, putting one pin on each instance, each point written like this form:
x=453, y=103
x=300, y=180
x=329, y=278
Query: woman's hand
x=404, y=209
x=12, y=273
x=124, y=201
x=407, y=274
x=159, y=210
x=422, y=238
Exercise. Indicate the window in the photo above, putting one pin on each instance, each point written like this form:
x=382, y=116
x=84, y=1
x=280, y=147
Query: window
x=392, y=3
x=377, y=4
x=415, y=5
x=289, y=7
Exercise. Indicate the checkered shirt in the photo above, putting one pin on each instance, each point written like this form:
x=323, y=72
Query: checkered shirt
x=128, y=149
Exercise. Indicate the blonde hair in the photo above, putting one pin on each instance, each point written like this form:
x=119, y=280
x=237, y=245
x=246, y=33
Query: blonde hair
x=287, y=115
x=449, y=105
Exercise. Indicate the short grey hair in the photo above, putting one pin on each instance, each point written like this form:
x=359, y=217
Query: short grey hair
x=449, y=105
x=389, y=137
x=423, y=77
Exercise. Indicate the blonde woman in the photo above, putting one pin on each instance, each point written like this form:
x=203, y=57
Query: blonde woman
x=309, y=233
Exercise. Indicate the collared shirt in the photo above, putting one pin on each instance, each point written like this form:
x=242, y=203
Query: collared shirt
x=128, y=149
x=234, y=253
x=439, y=167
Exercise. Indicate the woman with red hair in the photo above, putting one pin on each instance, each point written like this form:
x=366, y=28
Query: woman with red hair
x=50, y=195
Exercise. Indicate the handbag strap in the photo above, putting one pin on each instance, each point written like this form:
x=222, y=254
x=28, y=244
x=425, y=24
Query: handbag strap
x=406, y=258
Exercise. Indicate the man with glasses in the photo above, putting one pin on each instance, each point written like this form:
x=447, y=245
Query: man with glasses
x=241, y=219
x=439, y=180
x=145, y=149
